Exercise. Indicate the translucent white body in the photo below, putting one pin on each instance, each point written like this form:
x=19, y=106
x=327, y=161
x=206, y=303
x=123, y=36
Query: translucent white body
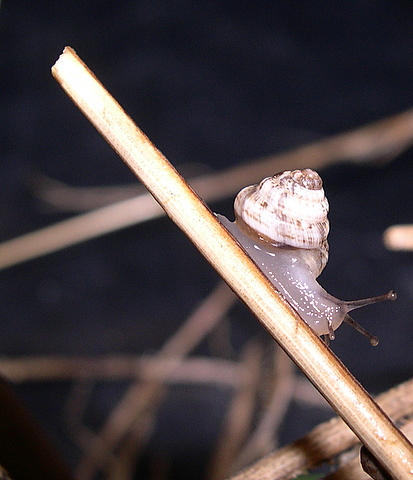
x=289, y=270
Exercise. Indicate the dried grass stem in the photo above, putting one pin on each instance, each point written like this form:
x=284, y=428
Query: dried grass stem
x=186, y=209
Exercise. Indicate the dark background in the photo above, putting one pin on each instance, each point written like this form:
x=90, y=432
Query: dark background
x=214, y=85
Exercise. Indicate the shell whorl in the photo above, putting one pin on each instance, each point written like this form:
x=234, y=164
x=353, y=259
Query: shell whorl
x=289, y=209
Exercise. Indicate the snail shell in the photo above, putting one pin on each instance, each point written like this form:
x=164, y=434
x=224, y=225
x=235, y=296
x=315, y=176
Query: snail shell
x=288, y=209
x=282, y=225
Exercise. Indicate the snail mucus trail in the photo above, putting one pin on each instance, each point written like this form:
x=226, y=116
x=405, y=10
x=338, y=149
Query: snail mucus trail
x=282, y=225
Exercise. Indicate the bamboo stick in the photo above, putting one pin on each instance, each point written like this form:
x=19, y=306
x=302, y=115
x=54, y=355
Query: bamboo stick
x=186, y=209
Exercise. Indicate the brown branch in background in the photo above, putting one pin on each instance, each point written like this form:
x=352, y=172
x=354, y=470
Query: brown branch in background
x=61, y=197
x=324, y=442
x=115, y=368
x=399, y=401
x=140, y=400
x=261, y=442
x=131, y=367
x=350, y=468
x=240, y=414
x=136, y=436
x=119, y=367
x=75, y=407
x=85, y=371
x=382, y=139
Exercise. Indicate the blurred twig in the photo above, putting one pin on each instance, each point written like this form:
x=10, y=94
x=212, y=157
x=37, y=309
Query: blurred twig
x=240, y=414
x=261, y=440
x=118, y=367
x=382, y=139
x=193, y=370
x=139, y=402
x=325, y=442
x=379, y=141
x=399, y=237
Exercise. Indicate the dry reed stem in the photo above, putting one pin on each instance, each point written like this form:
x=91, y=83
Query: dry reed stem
x=380, y=139
x=399, y=237
x=324, y=442
x=351, y=469
x=185, y=208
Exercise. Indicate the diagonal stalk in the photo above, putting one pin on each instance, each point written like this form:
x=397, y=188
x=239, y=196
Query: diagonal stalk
x=186, y=209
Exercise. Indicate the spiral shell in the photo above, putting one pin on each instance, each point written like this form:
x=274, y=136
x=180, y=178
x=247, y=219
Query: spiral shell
x=289, y=208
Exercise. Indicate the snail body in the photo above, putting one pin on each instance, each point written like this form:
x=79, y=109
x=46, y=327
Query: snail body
x=282, y=225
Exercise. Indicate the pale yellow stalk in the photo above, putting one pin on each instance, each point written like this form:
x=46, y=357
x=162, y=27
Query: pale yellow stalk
x=186, y=209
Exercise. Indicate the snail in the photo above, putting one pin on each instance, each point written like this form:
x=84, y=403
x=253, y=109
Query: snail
x=282, y=225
